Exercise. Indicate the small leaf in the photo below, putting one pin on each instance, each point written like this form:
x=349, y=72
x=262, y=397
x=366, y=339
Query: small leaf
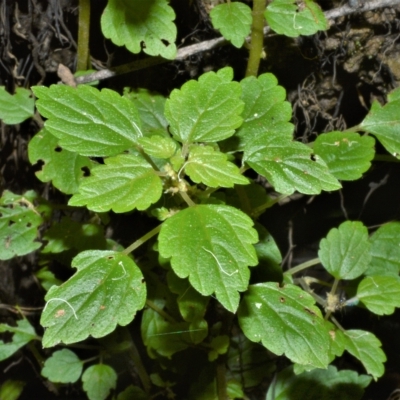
x=286, y=321
x=207, y=110
x=16, y=108
x=141, y=24
x=380, y=294
x=347, y=154
x=288, y=165
x=385, y=251
x=98, y=380
x=158, y=146
x=265, y=110
x=233, y=20
x=366, y=348
x=123, y=183
x=213, y=246
x=205, y=165
x=345, y=251
x=19, y=223
x=64, y=366
x=23, y=334
x=219, y=345
x=133, y=392
x=11, y=390
x=64, y=168
x=318, y=384
x=88, y=121
x=384, y=123
x=151, y=110
x=106, y=290
x=294, y=18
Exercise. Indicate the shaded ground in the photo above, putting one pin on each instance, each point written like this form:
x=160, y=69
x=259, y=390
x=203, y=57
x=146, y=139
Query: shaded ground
x=331, y=79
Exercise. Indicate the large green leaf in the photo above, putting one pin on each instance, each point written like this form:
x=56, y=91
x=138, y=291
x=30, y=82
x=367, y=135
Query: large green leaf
x=286, y=321
x=380, y=294
x=385, y=251
x=265, y=110
x=384, y=123
x=88, y=121
x=367, y=348
x=16, y=108
x=123, y=183
x=207, y=110
x=318, y=384
x=64, y=366
x=23, y=333
x=289, y=165
x=141, y=25
x=19, y=223
x=294, y=18
x=233, y=19
x=347, y=154
x=213, y=246
x=345, y=251
x=64, y=168
x=107, y=290
x=98, y=380
x=211, y=167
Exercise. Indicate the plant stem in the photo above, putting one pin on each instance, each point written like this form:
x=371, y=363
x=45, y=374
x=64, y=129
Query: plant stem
x=386, y=158
x=269, y=203
x=187, y=199
x=302, y=266
x=83, y=35
x=158, y=310
x=257, y=38
x=142, y=240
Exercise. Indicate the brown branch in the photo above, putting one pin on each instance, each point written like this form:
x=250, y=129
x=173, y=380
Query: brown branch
x=187, y=51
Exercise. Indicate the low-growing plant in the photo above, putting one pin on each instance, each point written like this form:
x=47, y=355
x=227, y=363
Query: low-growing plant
x=207, y=292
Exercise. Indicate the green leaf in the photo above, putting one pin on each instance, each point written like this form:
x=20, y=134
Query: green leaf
x=46, y=278
x=16, y=108
x=345, y=251
x=98, y=380
x=367, y=348
x=211, y=167
x=318, y=384
x=265, y=110
x=64, y=366
x=207, y=110
x=19, y=224
x=219, y=345
x=23, y=334
x=385, y=251
x=133, y=392
x=286, y=321
x=158, y=146
x=233, y=20
x=107, y=290
x=151, y=110
x=380, y=294
x=294, y=18
x=213, y=246
x=289, y=165
x=123, y=183
x=163, y=337
x=88, y=121
x=141, y=24
x=384, y=122
x=11, y=390
x=64, y=168
x=347, y=154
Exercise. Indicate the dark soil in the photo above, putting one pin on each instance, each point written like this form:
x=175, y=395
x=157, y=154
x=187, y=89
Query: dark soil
x=331, y=79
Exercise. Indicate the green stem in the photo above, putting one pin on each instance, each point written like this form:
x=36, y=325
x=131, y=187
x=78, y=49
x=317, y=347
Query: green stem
x=269, y=203
x=158, y=310
x=142, y=240
x=385, y=157
x=187, y=199
x=257, y=38
x=300, y=267
x=83, y=35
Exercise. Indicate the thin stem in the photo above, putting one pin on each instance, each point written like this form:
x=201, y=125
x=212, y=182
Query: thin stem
x=300, y=267
x=158, y=310
x=269, y=203
x=257, y=38
x=142, y=240
x=83, y=35
x=187, y=199
x=385, y=157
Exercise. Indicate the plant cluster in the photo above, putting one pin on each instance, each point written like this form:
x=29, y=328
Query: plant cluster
x=209, y=288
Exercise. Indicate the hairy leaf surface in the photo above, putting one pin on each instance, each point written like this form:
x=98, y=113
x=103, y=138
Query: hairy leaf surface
x=213, y=246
